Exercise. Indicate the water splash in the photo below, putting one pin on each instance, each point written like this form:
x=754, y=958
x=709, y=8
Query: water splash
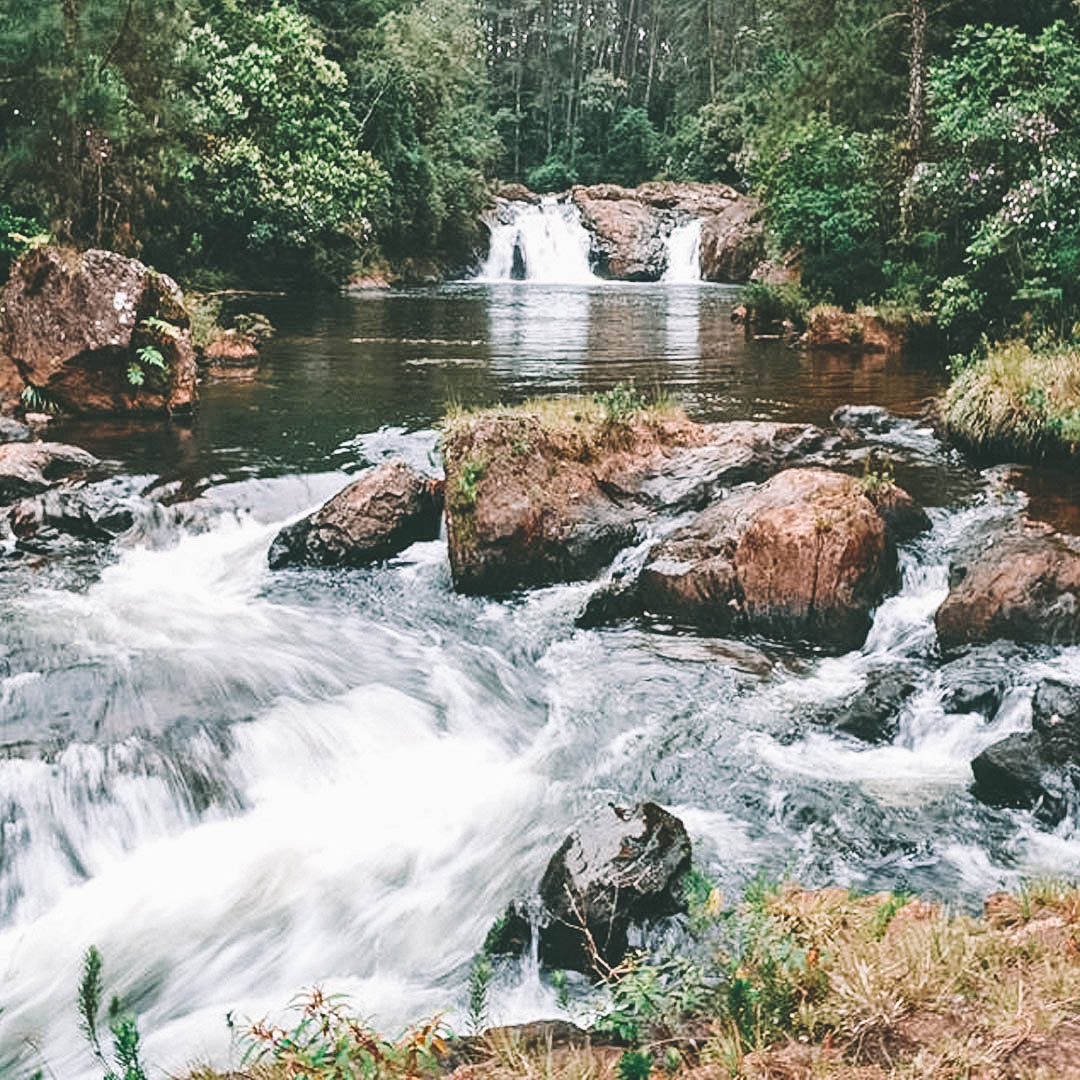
x=684, y=254
x=543, y=243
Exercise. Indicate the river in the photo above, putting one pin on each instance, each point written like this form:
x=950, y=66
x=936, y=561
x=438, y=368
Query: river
x=238, y=784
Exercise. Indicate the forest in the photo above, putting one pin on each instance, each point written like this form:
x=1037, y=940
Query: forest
x=924, y=153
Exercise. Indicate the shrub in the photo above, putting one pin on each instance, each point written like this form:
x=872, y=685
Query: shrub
x=554, y=174
x=770, y=305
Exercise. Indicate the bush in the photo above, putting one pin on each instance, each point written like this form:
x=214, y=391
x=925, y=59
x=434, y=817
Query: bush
x=554, y=175
x=770, y=305
x=634, y=148
x=18, y=234
x=820, y=195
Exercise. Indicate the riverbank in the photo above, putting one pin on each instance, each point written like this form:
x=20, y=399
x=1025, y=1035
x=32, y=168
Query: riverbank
x=1017, y=402
x=785, y=984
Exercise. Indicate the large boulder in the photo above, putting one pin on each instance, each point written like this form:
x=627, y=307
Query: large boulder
x=377, y=516
x=732, y=242
x=73, y=323
x=630, y=228
x=617, y=868
x=628, y=237
x=94, y=512
x=550, y=493
x=27, y=468
x=1022, y=587
x=806, y=556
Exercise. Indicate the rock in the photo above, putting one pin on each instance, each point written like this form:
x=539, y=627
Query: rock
x=732, y=242
x=903, y=516
x=12, y=383
x=1022, y=587
x=388, y=508
x=806, y=556
x=614, y=601
x=864, y=418
x=1055, y=714
x=12, y=431
x=975, y=683
x=630, y=227
x=231, y=354
x=1012, y=773
x=27, y=468
x=872, y=712
x=865, y=330
x=90, y=513
x=517, y=193
x=785, y=271
x=72, y=324
x=628, y=238
x=544, y=495
x=550, y=494
x=617, y=868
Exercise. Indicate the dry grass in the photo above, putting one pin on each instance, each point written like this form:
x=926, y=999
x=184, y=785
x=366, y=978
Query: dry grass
x=1017, y=401
x=906, y=991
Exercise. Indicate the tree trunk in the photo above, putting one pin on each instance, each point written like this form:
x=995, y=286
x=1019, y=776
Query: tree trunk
x=917, y=97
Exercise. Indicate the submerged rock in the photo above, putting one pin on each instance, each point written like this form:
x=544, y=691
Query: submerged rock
x=231, y=355
x=806, y=556
x=88, y=513
x=377, y=516
x=617, y=868
x=1022, y=587
x=27, y=468
x=1039, y=769
x=73, y=323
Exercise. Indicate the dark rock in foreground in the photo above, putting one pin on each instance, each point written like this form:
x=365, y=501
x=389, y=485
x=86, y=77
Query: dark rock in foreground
x=1038, y=769
x=87, y=513
x=1024, y=587
x=377, y=516
x=27, y=468
x=12, y=431
x=618, y=868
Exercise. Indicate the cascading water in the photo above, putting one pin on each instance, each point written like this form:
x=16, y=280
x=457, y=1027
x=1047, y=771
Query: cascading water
x=684, y=254
x=542, y=243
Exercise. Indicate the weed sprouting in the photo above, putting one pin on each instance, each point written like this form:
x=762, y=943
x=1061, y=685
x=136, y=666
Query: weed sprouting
x=472, y=472
x=123, y=1026
x=621, y=404
x=34, y=399
x=480, y=975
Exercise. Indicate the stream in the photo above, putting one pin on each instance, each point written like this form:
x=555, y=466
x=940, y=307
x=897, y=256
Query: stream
x=238, y=784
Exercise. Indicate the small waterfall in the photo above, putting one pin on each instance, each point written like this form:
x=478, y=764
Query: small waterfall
x=544, y=243
x=684, y=254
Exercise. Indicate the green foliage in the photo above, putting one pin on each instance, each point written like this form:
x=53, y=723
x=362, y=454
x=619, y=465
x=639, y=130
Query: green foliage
x=472, y=472
x=553, y=175
x=280, y=174
x=876, y=477
x=886, y=912
x=634, y=1065
x=480, y=974
x=821, y=195
x=149, y=363
x=37, y=400
x=123, y=1027
x=770, y=305
x=621, y=405
x=634, y=148
x=18, y=234
x=253, y=326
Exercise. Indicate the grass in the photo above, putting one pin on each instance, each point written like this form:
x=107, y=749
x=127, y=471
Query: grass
x=787, y=983
x=1016, y=401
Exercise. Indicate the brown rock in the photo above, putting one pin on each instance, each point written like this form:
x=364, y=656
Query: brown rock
x=231, y=354
x=1023, y=587
x=864, y=331
x=629, y=239
x=517, y=193
x=732, y=242
x=27, y=468
x=806, y=556
x=72, y=323
x=11, y=383
x=390, y=507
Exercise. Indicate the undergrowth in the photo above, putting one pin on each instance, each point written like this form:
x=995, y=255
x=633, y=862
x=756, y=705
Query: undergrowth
x=1017, y=400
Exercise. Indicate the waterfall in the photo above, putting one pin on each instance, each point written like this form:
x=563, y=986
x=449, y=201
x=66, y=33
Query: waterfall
x=684, y=254
x=545, y=243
